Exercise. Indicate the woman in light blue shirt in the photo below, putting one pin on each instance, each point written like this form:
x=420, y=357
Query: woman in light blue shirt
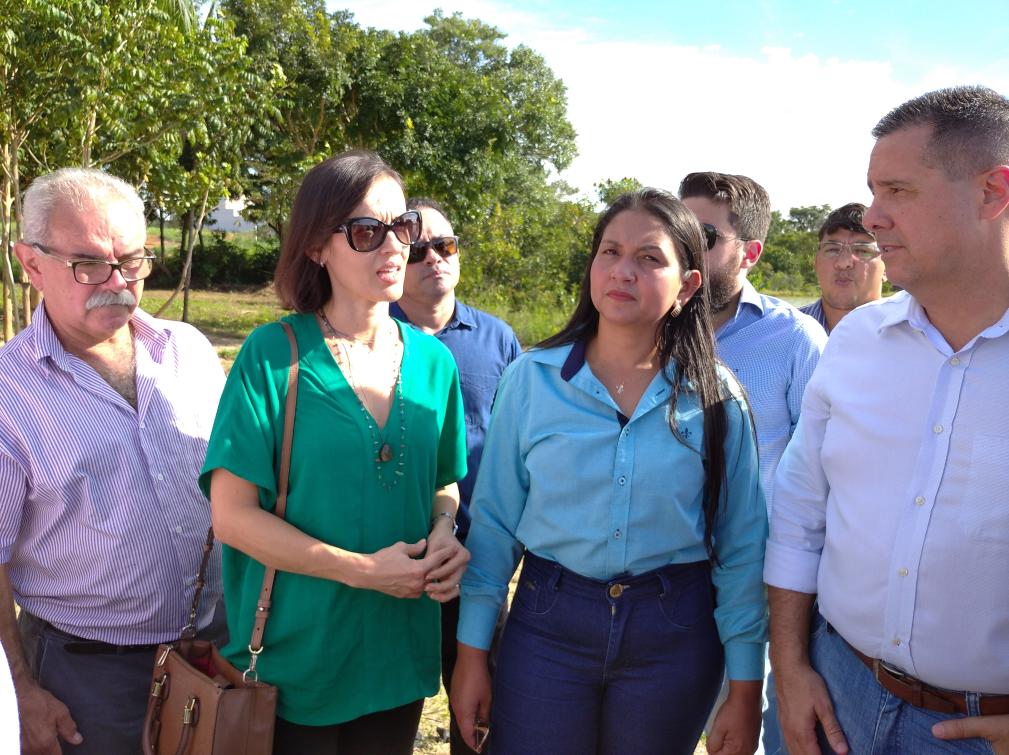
x=621, y=461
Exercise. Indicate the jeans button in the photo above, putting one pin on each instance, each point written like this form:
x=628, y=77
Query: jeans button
x=616, y=591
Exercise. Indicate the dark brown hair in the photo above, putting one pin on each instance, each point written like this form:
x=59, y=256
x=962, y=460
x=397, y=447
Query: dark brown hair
x=749, y=205
x=846, y=218
x=328, y=194
x=684, y=341
x=970, y=128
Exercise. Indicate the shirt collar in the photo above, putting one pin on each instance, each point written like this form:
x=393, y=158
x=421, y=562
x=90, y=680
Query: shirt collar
x=49, y=349
x=462, y=316
x=751, y=297
x=903, y=307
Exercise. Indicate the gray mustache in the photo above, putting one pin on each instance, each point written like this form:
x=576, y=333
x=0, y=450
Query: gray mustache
x=111, y=299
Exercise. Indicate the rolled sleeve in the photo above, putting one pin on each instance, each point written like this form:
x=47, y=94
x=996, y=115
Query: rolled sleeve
x=798, y=521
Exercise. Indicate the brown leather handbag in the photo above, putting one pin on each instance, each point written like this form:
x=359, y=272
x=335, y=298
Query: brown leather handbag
x=200, y=704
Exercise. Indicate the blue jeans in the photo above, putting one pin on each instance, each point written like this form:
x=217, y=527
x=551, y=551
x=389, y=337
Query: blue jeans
x=874, y=721
x=631, y=665
x=772, y=740
x=106, y=693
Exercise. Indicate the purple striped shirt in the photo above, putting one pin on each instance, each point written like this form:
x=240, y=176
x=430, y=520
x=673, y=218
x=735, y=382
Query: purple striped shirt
x=101, y=521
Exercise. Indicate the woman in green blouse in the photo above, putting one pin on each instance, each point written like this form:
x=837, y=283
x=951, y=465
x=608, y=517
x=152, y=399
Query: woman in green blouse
x=367, y=546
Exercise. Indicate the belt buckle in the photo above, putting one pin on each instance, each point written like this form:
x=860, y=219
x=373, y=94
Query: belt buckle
x=893, y=671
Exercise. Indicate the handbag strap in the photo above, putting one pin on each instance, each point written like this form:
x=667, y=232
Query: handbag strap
x=189, y=631
x=263, y=605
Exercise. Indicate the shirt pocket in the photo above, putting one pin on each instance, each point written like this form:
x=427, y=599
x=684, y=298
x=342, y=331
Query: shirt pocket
x=477, y=397
x=984, y=510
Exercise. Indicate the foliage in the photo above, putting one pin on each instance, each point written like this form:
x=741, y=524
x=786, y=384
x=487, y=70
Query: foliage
x=787, y=261
x=610, y=189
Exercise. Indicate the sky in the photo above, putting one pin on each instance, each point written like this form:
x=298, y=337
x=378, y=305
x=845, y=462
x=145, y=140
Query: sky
x=784, y=91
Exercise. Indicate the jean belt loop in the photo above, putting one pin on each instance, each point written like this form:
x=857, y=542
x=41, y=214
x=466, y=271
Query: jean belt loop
x=663, y=582
x=555, y=577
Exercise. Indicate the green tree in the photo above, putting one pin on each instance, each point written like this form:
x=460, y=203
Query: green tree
x=609, y=189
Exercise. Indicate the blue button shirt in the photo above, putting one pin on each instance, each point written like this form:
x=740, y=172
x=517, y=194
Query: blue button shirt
x=570, y=481
x=815, y=310
x=482, y=346
x=773, y=349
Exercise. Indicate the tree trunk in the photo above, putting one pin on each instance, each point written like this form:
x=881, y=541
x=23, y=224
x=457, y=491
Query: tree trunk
x=190, y=230
x=28, y=294
x=10, y=306
x=161, y=232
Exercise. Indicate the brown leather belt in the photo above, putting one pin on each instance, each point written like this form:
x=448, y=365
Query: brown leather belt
x=915, y=692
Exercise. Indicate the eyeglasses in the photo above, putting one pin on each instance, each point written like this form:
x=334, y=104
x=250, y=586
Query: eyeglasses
x=367, y=234
x=444, y=246
x=712, y=234
x=92, y=272
x=863, y=251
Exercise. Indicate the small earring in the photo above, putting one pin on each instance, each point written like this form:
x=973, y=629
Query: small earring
x=322, y=264
x=675, y=311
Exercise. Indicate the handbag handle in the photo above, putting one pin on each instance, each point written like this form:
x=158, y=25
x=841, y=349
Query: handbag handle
x=265, y=593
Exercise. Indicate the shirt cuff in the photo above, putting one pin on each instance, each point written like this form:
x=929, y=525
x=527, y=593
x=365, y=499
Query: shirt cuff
x=477, y=619
x=790, y=568
x=744, y=661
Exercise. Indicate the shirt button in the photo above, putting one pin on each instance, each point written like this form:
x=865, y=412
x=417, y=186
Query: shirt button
x=160, y=476
x=621, y=480
x=616, y=535
x=896, y=641
x=919, y=501
x=937, y=429
x=954, y=361
x=902, y=572
x=178, y=530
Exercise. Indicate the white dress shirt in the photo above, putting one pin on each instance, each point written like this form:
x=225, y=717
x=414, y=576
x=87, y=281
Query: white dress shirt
x=892, y=500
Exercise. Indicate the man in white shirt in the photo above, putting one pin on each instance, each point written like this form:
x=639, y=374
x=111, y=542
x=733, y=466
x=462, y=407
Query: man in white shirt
x=891, y=503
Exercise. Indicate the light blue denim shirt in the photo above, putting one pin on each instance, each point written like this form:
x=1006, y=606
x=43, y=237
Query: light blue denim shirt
x=773, y=349
x=567, y=477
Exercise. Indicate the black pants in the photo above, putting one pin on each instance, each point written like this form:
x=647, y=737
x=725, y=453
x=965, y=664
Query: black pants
x=387, y=732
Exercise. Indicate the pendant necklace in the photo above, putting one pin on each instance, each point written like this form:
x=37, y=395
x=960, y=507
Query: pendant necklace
x=620, y=389
x=383, y=451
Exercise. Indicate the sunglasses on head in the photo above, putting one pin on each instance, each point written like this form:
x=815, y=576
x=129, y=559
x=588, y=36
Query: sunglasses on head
x=444, y=246
x=367, y=234
x=712, y=234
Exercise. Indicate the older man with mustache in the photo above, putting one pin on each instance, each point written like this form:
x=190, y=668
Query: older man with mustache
x=104, y=418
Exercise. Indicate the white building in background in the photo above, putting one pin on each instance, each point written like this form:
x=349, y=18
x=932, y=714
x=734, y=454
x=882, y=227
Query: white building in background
x=227, y=216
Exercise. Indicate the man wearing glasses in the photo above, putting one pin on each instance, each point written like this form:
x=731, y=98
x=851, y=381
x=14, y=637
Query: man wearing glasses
x=104, y=418
x=482, y=346
x=848, y=267
x=889, y=541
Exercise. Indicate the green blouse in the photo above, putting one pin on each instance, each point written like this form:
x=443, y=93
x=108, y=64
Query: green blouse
x=335, y=652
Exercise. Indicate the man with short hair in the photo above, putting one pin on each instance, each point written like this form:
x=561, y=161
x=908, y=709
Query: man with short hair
x=104, y=418
x=891, y=508
x=482, y=346
x=847, y=266
x=770, y=346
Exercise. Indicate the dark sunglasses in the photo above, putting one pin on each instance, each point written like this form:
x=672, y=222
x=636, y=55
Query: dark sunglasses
x=367, y=234
x=712, y=234
x=445, y=246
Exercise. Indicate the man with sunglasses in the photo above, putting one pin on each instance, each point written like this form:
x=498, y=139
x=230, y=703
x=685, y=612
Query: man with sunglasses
x=848, y=267
x=770, y=346
x=482, y=346
x=105, y=414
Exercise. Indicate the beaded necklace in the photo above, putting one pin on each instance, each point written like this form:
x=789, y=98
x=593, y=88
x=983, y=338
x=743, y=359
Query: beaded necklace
x=383, y=452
